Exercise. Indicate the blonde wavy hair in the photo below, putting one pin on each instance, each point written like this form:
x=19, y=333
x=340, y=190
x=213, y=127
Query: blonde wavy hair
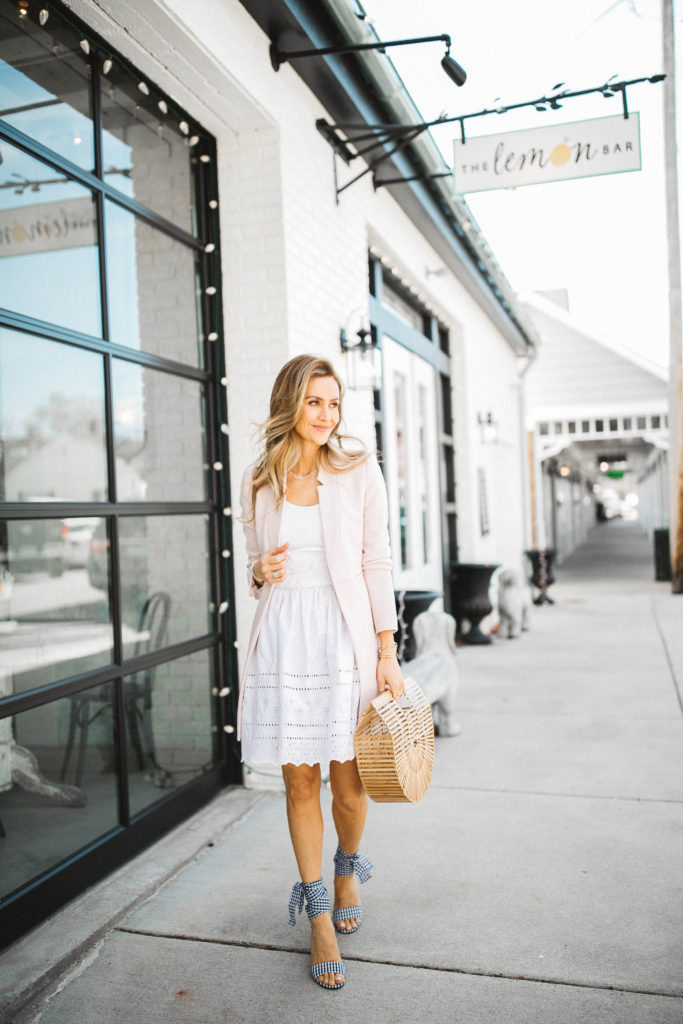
x=281, y=447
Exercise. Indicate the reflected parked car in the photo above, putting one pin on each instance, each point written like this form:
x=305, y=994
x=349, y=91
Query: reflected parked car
x=77, y=535
x=34, y=546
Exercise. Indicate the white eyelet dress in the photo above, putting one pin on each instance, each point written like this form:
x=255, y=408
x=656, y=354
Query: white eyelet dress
x=302, y=688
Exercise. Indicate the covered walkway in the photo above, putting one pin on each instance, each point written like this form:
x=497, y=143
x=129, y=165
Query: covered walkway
x=616, y=556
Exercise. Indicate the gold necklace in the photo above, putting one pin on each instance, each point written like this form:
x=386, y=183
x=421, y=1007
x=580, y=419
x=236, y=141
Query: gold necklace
x=306, y=476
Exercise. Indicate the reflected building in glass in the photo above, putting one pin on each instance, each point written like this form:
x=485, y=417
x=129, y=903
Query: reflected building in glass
x=111, y=523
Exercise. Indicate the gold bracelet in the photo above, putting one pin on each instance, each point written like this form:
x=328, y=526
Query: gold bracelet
x=388, y=654
x=385, y=650
x=257, y=581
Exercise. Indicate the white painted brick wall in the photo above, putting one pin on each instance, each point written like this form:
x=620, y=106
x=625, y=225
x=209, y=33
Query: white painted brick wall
x=295, y=262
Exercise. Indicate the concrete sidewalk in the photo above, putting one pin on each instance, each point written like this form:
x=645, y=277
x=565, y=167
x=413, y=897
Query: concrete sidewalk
x=539, y=880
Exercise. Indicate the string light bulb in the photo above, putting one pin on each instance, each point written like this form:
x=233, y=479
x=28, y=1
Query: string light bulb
x=209, y=247
x=144, y=88
x=184, y=127
x=85, y=46
x=163, y=106
x=213, y=204
x=193, y=140
x=43, y=15
x=205, y=158
x=213, y=336
x=107, y=66
x=210, y=290
x=22, y=10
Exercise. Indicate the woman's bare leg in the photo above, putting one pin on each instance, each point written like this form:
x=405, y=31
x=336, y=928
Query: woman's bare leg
x=349, y=810
x=302, y=785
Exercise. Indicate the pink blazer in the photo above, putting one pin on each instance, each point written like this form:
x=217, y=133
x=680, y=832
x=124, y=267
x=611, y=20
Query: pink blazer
x=354, y=514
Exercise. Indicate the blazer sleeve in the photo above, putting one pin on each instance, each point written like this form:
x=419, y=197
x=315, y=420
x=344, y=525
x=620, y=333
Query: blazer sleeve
x=376, y=559
x=249, y=527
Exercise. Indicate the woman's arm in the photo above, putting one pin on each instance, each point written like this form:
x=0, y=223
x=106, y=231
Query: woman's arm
x=389, y=675
x=378, y=579
x=249, y=527
x=376, y=559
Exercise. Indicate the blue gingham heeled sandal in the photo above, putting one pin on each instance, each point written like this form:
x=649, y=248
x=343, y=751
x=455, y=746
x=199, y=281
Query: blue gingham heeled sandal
x=317, y=902
x=348, y=864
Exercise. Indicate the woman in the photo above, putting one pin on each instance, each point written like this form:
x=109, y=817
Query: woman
x=322, y=645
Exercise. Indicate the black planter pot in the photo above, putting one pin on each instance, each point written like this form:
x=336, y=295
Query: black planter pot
x=470, y=597
x=409, y=604
x=542, y=561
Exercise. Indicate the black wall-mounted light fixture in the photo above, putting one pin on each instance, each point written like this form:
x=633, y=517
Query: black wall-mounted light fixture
x=488, y=427
x=454, y=71
x=365, y=340
x=364, y=359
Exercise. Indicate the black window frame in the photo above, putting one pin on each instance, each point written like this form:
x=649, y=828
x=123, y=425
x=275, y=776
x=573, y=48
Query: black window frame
x=433, y=345
x=28, y=905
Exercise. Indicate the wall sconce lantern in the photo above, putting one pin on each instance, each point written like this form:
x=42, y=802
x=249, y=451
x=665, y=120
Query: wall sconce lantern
x=488, y=428
x=363, y=359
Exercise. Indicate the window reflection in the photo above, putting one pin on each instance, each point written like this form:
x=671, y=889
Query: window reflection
x=401, y=463
x=49, y=265
x=152, y=288
x=421, y=468
x=144, y=153
x=45, y=84
x=170, y=715
x=159, y=555
x=394, y=301
x=54, y=623
x=52, y=431
x=159, y=435
x=44, y=818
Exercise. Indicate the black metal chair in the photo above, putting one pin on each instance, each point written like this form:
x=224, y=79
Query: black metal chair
x=137, y=697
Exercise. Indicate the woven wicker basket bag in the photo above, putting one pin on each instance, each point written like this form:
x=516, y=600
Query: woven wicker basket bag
x=394, y=744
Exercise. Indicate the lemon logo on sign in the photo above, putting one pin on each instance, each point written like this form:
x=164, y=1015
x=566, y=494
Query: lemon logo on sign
x=560, y=154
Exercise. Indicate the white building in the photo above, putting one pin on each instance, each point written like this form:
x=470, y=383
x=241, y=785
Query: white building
x=598, y=429
x=190, y=217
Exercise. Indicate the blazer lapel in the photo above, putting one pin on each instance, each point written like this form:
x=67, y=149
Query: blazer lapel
x=270, y=518
x=328, y=496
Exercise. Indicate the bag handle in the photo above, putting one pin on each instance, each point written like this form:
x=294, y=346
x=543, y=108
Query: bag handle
x=384, y=698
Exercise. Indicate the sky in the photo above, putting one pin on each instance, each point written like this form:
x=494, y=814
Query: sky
x=603, y=239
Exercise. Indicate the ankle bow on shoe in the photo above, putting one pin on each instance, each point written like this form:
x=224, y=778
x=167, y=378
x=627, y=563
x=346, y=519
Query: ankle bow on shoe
x=315, y=894
x=317, y=902
x=348, y=863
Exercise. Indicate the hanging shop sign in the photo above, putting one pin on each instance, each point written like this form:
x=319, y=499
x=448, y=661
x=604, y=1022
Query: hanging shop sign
x=47, y=226
x=581, y=149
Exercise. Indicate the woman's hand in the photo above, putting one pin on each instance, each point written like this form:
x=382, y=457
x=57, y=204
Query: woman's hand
x=271, y=566
x=390, y=677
